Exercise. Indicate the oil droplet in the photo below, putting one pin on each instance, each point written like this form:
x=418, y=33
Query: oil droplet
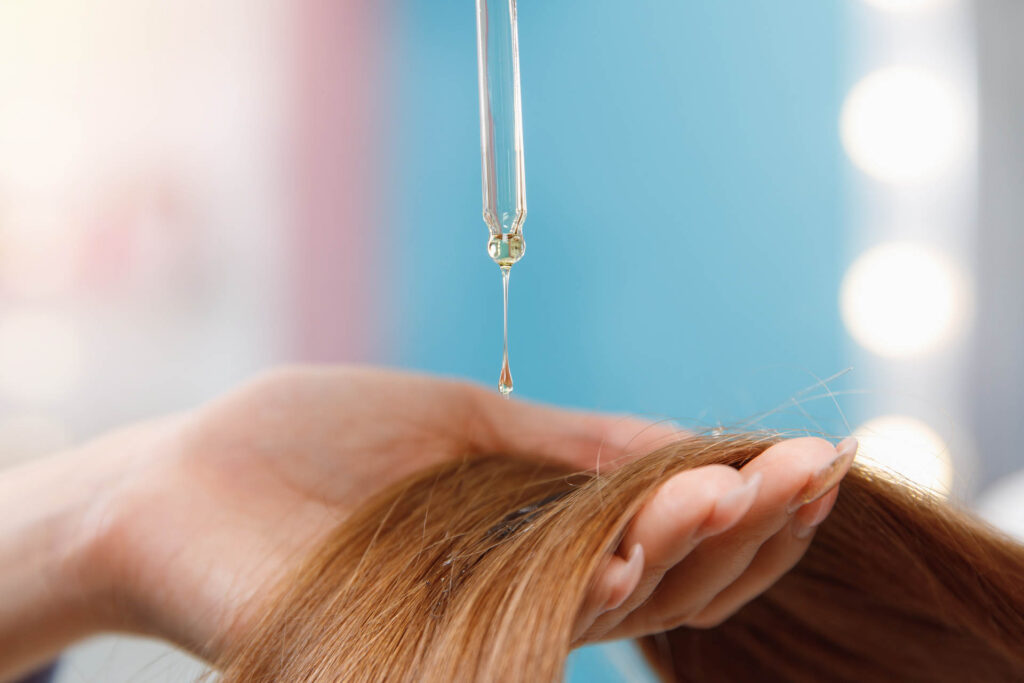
x=505, y=378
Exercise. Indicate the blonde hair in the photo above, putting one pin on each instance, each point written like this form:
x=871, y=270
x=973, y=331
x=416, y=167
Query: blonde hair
x=476, y=571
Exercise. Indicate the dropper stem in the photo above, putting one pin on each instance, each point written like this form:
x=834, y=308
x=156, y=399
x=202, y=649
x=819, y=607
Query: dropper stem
x=505, y=379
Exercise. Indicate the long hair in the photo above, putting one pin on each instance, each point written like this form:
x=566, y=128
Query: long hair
x=477, y=570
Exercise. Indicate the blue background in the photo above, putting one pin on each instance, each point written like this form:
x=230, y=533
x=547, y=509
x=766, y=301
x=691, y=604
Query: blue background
x=684, y=233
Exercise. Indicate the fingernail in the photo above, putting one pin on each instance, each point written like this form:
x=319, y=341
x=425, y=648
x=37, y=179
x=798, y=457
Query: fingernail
x=732, y=505
x=739, y=494
x=801, y=528
x=826, y=478
x=630, y=577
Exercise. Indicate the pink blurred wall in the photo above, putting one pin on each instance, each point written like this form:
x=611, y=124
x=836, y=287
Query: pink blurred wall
x=338, y=271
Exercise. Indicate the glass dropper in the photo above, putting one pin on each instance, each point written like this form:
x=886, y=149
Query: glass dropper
x=501, y=146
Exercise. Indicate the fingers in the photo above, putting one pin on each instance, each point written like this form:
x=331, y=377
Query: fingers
x=687, y=508
x=796, y=474
x=783, y=550
x=615, y=582
x=586, y=441
x=778, y=555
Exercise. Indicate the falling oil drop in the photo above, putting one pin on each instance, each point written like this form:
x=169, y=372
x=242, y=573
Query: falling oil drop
x=505, y=378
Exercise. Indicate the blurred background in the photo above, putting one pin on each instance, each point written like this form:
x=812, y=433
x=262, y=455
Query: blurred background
x=799, y=215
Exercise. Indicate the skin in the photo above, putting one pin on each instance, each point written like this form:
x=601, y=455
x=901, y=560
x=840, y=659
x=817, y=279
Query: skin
x=180, y=527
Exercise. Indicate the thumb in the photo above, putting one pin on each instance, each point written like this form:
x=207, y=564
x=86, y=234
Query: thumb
x=587, y=441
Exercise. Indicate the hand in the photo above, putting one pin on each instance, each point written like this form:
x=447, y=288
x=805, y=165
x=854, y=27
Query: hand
x=208, y=510
x=182, y=526
x=712, y=539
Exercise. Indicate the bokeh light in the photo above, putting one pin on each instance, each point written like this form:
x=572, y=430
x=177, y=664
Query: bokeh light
x=903, y=298
x=40, y=356
x=902, y=124
x=1000, y=505
x=905, y=5
x=908, y=447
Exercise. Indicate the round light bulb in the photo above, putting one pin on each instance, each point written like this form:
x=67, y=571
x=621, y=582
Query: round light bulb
x=902, y=298
x=908, y=447
x=903, y=125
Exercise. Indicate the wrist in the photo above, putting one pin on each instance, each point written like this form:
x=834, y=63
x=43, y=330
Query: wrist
x=82, y=569
x=93, y=549
x=46, y=602
x=61, y=573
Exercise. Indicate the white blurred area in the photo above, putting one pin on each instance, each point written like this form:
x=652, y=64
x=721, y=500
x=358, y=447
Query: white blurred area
x=905, y=124
x=911, y=128
x=908, y=127
x=141, y=199
x=901, y=300
x=140, y=209
x=905, y=5
x=908, y=449
x=1000, y=505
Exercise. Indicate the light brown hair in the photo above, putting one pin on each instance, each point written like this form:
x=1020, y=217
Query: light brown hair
x=476, y=571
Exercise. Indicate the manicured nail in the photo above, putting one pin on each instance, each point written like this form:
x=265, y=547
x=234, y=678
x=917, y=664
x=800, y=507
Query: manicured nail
x=804, y=528
x=733, y=505
x=826, y=478
x=739, y=495
x=628, y=579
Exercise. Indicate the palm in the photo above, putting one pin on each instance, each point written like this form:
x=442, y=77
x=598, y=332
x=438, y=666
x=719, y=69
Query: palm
x=239, y=491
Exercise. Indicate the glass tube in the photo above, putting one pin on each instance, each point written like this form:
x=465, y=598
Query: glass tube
x=501, y=122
